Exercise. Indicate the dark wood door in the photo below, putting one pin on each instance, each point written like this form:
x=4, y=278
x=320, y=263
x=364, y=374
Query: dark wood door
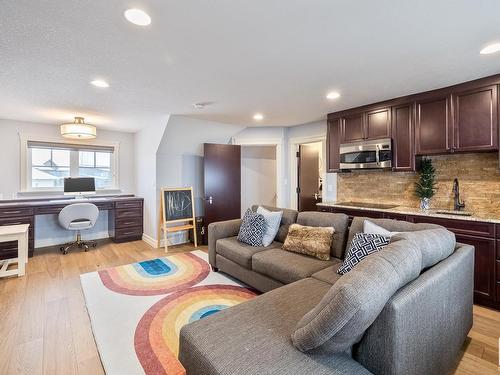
x=484, y=266
x=308, y=178
x=222, y=182
x=433, y=126
x=403, y=140
x=378, y=124
x=476, y=119
x=333, y=145
x=352, y=128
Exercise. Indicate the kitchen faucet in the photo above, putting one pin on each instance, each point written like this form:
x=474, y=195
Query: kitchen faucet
x=456, y=191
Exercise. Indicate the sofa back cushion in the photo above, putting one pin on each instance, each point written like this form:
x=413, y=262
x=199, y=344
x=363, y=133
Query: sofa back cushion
x=353, y=303
x=434, y=244
x=389, y=224
x=289, y=217
x=339, y=222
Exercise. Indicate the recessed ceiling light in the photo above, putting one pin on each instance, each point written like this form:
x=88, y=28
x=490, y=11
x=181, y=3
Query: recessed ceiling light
x=491, y=48
x=333, y=95
x=258, y=116
x=99, y=83
x=137, y=17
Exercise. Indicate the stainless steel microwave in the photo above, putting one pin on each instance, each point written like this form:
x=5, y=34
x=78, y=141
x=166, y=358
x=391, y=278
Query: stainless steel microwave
x=376, y=154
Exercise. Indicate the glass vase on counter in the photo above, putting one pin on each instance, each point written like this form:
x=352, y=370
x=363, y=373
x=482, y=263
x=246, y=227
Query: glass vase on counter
x=425, y=204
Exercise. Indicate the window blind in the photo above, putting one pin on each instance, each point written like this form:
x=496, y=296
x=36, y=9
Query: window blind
x=70, y=146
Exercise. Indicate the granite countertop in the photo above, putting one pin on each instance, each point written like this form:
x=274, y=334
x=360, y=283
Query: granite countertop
x=490, y=218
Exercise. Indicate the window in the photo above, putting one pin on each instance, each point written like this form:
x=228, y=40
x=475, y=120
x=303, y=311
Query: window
x=49, y=163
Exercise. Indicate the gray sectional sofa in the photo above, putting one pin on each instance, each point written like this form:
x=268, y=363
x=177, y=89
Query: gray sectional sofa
x=419, y=331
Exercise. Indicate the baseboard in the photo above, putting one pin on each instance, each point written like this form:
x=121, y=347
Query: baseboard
x=150, y=241
x=172, y=240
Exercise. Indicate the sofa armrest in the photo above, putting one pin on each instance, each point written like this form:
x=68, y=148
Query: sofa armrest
x=423, y=326
x=218, y=230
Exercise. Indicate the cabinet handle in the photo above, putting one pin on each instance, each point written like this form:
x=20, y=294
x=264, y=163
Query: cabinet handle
x=128, y=233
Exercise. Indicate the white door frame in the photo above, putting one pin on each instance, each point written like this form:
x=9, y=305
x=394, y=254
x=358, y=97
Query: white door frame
x=280, y=188
x=293, y=147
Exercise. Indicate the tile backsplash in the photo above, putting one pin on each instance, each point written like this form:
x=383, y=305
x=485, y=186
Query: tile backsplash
x=478, y=176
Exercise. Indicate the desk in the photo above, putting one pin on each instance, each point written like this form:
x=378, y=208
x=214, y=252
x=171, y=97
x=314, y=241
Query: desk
x=125, y=217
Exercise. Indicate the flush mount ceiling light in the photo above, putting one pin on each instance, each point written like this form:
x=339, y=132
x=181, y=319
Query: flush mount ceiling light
x=137, y=17
x=78, y=129
x=100, y=83
x=258, y=117
x=332, y=95
x=490, y=48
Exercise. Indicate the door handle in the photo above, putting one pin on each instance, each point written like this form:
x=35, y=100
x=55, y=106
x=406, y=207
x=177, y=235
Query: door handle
x=210, y=200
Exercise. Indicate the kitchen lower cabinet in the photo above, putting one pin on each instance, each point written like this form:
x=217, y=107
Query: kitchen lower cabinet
x=484, y=236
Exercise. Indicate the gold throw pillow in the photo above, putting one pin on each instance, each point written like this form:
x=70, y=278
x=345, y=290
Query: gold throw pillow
x=313, y=241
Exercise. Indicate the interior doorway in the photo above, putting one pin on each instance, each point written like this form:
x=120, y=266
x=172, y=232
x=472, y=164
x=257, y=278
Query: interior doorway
x=258, y=176
x=310, y=175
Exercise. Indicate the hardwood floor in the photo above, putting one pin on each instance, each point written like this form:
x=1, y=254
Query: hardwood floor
x=45, y=329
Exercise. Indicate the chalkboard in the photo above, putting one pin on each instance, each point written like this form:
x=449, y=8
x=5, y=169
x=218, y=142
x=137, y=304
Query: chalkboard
x=178, y=204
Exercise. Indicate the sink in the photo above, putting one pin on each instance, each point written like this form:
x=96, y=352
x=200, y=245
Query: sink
x=457, y=213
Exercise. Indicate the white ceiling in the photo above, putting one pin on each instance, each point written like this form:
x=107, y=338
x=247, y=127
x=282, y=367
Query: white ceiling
x=275, y=57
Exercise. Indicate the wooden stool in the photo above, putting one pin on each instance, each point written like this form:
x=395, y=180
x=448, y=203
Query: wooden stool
x=17, y=233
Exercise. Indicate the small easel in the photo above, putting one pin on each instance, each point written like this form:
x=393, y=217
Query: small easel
x=176, y=206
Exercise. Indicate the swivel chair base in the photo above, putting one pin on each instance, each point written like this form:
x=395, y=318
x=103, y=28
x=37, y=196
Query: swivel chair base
x=81, y=244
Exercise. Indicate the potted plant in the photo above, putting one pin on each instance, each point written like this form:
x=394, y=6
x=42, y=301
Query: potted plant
x=425, y=187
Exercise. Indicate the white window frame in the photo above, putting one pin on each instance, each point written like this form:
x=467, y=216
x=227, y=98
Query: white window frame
x=74, y=162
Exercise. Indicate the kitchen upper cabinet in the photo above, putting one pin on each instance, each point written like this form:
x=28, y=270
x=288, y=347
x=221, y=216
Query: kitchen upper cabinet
x=367, y=125
x=433, y=126
x=333, y=145
x=403, y=140
x=352, y=128
x=378, y=124
x=476, y=119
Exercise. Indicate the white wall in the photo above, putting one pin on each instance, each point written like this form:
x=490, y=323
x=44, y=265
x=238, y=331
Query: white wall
x=258, y=176
x=147, y=141
x=316, y=129
x=48, y=231
x=179, y=158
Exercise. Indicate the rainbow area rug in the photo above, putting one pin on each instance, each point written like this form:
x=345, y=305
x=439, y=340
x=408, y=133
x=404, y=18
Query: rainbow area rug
x=137, y=310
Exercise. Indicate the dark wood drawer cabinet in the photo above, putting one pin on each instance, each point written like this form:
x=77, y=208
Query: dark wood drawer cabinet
x=125, y=223
x=130, y=212
x=403, y=138
x=353, y=212
x=484, y=267
x=433, y=126
x=16, y=211
x=324, y=209
x=389, y=215
x=467, y=227
x=476, y=119
x=9, y=249
x=333, y=145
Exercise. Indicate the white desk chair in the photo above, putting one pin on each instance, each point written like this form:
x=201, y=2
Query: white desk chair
x=17, y=233
x=77, y=217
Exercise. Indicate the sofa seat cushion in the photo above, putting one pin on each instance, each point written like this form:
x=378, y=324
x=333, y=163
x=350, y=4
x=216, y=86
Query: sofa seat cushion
x=240, y=252
x=329, y=275
x=254, y=337
x=287, y=267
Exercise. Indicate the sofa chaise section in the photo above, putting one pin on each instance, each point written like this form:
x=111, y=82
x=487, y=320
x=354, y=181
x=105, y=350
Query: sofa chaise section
x=254, y=338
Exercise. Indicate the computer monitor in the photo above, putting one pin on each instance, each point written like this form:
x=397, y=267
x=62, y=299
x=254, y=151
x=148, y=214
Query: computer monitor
x=79, y=186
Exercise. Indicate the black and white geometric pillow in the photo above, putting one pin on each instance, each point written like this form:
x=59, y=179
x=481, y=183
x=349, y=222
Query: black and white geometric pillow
x=252, y=229
x=362, y=245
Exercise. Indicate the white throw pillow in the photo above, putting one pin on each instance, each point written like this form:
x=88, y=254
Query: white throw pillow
x=273, y=221
x=372, y=228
